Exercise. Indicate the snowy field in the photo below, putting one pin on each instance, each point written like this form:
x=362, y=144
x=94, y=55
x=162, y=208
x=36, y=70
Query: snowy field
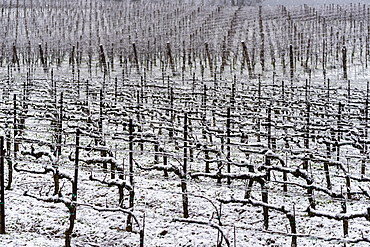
x=151, y=124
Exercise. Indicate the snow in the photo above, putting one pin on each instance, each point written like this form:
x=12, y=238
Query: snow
x=36, y=217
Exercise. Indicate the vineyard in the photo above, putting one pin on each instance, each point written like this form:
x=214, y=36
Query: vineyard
x=128, y=123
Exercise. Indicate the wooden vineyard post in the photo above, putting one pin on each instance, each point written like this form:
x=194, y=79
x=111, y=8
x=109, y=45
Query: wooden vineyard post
x=219, y=166
x=112, y=57
x=60, y=127
x=136, y=58
x=53, y=85
x=259, y=89
x=291, y=62
x=348, y=181
x=78, y=80
x=285, y=174
x=267, y=158
x=168, y=111
x=74, y=191
x=87, y=93
x=223, y=56
x=183, y=61
x=228, y=144
x=100, y=125
x=367, y=48
x=2, y=201
x=232, y=98
x=141, y=233
x=156, y=150
x=326, y=167
x=344, y=61
x=115, y=91
x=72, y=62
x=15, y=124
x=262, y=51
x=42, y=58
x=308, y=55
x=204, y=115
x=324, y=56
x=328, y=145
x=349, y=91
x=307, y=133
x=364, y=149
x=248, y=189
x=172, y=114
x=165, y=161
x=122, y=173
x=72, y=206
x=16, y=144
x=138, y=115
x=209, y=58
x=345, y=221
x=246, y=57
x=328, y=94
x=307, y=146
x=215, y=86
x=269, y=144
x=8, y=151
x=131, y=175
x=193, y=87
x=103, y=61
x=206, y=157
x=170, y=58
x=120, y=188
x=46, y=56
x=184, y=169
x=191, y=150
x=293, y=228
x=339, y=134
x=15, y=58
x=265, y=209
x=259, y=103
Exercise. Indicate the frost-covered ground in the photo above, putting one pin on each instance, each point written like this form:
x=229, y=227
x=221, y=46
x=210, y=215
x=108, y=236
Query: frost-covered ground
x=34, y=223
x=146, y=99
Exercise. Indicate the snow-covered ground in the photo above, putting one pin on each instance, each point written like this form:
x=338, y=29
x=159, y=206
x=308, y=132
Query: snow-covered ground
x=156, y=97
